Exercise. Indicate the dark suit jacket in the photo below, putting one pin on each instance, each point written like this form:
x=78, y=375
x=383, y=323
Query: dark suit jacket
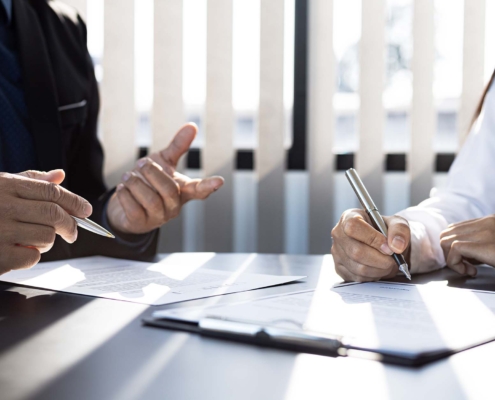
x=63, y=103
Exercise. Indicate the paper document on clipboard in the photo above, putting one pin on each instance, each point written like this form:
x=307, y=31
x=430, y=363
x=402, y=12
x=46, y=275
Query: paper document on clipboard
x=409, y=322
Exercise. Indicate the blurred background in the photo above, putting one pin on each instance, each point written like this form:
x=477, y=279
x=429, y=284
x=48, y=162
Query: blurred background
x=287, y=94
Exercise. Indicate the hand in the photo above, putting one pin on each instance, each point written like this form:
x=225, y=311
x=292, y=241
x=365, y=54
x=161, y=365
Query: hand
x=361, y=253
x=33, y=210
x=468, y=243
x=154, y=192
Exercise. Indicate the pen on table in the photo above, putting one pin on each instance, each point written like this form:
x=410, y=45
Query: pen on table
x=92, y=227
x=370, y=207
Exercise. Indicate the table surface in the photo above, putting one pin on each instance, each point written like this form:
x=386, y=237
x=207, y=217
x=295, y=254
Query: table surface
x=60, y=346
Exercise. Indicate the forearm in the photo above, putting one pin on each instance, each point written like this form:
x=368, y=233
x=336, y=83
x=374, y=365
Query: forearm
x=467, y=195
x=428, y=220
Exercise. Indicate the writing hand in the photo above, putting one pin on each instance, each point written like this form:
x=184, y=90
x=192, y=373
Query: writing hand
x=361, y=253
x=154, y=192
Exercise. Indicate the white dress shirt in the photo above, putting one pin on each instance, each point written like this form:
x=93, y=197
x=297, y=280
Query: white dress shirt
x=469, y=194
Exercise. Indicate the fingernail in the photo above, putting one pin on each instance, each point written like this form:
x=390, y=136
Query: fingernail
x=399, y=244
x=190, y=128
x=88, y=209
x=142, y=162
x=386, y=250
x=217, y=182
x=126, y=176
x=120, y=186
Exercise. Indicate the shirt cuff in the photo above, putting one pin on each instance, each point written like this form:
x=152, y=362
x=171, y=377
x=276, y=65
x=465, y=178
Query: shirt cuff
x=426, y=252
x=423, y=258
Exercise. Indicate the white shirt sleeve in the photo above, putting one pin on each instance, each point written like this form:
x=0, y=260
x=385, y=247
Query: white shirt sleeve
x=469, y=194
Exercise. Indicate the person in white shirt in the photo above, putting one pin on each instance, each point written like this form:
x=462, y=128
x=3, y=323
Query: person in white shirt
x=454, y=227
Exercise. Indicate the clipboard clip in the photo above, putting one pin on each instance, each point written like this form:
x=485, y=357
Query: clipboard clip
x=285, y=338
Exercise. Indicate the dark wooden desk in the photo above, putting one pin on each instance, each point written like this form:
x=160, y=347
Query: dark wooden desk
x=61, y=346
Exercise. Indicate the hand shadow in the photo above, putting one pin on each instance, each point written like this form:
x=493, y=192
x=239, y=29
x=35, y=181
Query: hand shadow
x=484, y=280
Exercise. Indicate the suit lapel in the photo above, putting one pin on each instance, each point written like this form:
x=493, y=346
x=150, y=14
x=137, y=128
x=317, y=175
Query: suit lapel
x=39, y=87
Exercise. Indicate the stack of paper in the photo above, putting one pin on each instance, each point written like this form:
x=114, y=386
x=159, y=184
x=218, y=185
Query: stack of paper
x=179, y=277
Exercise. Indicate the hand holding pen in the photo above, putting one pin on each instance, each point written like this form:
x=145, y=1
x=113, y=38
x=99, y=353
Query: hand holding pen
x=362, y=253
x=34, y=209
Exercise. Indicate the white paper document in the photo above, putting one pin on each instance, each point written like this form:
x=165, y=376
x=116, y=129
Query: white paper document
x=179, y=277
x=393, y=318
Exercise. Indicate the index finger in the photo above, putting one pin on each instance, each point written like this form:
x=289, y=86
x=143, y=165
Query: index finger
x=357, y=227
x=180, y=144
x=73, y=204
x=461, y=223
x=198, y=189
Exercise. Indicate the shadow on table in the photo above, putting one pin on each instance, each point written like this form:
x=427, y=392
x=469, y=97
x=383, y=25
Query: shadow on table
x=25, y=312
x=484, y=280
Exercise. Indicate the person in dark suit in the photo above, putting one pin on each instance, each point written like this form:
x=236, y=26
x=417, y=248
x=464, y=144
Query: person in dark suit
x=49, y=108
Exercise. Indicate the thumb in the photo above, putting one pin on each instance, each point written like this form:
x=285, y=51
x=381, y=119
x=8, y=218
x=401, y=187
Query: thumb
x=399, y=234
x=55, y=176
x=180, y=144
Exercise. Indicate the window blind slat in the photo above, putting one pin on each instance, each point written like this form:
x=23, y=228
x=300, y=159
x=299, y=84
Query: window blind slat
x=270, y=156
x=423, y=118
x=473, y=63
x=370, y=159
x=321, y=160
x=219, y=126
x=118, y=109
x=168, y=106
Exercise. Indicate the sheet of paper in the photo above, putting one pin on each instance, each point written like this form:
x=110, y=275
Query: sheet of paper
x=179, y=277
x=396, y=318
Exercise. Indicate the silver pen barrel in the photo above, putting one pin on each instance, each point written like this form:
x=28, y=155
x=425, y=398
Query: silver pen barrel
x=360, y=190
x=91, y=226
x=375, y=216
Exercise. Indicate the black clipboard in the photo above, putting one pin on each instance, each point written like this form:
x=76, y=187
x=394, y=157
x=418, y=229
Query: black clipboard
x=296, y=341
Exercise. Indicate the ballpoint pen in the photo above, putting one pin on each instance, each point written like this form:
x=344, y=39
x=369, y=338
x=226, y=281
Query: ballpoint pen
x=92, y=227
x=370, y=207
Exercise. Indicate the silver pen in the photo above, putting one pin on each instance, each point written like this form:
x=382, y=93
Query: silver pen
x=370, y=207
x=92, y=227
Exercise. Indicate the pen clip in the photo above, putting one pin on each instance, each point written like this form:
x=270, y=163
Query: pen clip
x=285, y=337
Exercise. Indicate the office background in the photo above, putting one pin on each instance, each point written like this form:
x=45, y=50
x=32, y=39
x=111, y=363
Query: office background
x=287, y=94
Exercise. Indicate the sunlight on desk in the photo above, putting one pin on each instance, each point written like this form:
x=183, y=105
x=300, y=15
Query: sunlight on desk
x=328, y=276
x=313, y=377
x=453, y=313
x=472, y=308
